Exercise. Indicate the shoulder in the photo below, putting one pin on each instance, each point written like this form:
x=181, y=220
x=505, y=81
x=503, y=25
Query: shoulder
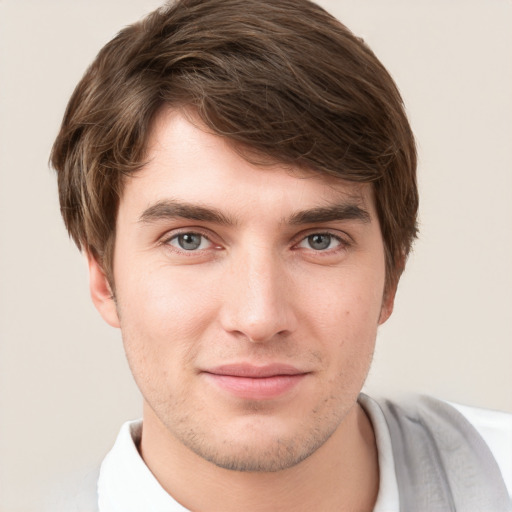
x=440, y=455
x=77, y=492
x=495, y=428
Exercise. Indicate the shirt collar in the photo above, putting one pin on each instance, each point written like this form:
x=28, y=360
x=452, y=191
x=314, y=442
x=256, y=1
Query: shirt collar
x=388, y=499
x=127, y=485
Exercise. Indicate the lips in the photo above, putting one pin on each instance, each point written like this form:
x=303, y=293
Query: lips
x=255, y=382
x=252, y=371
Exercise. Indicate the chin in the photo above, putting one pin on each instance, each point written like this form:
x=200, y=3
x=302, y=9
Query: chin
x=247, y=458
x=259, y=448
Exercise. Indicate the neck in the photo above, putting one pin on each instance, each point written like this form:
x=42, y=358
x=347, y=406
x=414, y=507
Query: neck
x=341, y=475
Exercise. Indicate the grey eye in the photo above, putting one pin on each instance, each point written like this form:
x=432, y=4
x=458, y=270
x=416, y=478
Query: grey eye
x=188, y=241
x=319, y=241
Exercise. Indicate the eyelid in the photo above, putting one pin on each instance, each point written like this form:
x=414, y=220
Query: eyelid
x=344, y=238
x=204, y=243
x=339, y=242
x=174, y=233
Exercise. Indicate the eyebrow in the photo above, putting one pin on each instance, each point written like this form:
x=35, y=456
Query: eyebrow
x=172, y=209
x=345, y=211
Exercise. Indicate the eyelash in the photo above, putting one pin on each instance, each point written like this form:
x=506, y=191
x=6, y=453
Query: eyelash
x=343, y=242
x=166, y=241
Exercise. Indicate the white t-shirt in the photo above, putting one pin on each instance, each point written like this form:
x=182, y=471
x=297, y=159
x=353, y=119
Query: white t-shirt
x=127, y=485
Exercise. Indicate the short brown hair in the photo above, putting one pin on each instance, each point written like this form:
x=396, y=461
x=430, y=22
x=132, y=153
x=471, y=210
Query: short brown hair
x=280, y=77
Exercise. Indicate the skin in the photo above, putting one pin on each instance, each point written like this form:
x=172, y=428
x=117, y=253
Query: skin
x=259, y=283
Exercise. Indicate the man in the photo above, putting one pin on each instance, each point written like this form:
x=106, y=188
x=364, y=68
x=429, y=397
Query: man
x=241, y=176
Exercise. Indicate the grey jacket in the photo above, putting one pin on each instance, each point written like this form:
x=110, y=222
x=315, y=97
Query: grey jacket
x=442, y=464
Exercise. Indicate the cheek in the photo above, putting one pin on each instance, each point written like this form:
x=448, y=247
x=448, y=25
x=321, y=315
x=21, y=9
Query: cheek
x=166, y=299
x=348, y=302
x=345, y=317
x=163, y=317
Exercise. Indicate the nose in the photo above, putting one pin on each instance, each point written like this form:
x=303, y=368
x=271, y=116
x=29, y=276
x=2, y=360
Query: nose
x=258, y=299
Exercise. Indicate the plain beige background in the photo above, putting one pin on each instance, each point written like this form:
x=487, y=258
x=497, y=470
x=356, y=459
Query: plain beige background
x=64, y=385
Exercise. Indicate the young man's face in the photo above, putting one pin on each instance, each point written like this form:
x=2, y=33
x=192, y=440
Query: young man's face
x=248, y=298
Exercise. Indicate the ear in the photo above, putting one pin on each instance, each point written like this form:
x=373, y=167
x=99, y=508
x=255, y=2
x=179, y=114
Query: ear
x=101, y=293
x=390, y=287
x=388, y=302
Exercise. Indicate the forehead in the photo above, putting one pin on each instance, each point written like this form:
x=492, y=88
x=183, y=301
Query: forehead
x=185, y=161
